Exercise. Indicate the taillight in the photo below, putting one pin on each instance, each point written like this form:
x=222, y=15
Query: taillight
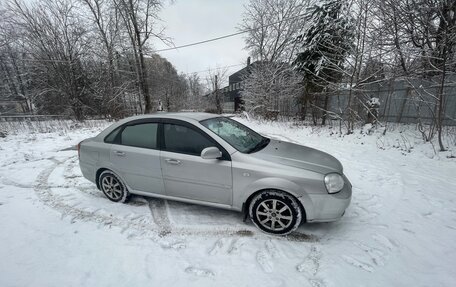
x=79, y=149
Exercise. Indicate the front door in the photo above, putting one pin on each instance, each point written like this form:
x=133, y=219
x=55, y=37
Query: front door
x=186, y=174
x=136, y=156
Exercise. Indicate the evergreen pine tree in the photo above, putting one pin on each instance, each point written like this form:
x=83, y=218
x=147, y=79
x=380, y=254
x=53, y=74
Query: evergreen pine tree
x=325, y=45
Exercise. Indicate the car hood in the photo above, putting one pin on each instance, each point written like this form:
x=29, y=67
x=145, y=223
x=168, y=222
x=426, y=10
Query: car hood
x=299, y=156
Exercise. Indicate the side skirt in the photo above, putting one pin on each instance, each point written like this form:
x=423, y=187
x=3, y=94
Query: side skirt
x=186, y=200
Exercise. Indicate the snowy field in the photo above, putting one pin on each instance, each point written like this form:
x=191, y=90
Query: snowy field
x=57, y=229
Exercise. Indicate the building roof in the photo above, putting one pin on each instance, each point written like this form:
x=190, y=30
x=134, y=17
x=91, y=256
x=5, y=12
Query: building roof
x=242, y=73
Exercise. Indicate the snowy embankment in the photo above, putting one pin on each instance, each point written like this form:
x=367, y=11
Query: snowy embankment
x=59, y=230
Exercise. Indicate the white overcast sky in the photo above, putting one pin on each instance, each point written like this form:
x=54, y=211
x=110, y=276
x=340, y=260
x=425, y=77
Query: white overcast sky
x=189, y=21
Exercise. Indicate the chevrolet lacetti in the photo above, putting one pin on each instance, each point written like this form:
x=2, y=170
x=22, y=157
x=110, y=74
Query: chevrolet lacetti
x=213, y=160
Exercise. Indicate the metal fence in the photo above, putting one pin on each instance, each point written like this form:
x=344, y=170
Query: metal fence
x=401, y=101
x=24, y=117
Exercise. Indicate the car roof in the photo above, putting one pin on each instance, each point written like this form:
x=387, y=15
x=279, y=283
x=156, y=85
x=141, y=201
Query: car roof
x=164, y=115
x=178, y=115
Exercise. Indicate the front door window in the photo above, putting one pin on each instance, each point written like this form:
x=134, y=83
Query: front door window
x=180, y=139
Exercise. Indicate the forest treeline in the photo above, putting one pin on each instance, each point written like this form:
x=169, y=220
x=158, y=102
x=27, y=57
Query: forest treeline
x=95, y=57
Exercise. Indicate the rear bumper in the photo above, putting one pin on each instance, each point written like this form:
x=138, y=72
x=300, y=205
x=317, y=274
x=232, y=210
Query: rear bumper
x=88, y=171
x=329, y=207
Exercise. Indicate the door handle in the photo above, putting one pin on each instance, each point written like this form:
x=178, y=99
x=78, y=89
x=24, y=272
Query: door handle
x=119, y=153
x=173, y=161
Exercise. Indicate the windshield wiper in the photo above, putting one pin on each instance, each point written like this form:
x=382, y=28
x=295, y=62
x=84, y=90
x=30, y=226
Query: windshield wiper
x=259, y=146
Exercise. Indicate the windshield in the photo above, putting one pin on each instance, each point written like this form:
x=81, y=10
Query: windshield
x=237, y=135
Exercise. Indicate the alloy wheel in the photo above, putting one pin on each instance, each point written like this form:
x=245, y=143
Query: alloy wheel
x=112, y=187
x=274, y=214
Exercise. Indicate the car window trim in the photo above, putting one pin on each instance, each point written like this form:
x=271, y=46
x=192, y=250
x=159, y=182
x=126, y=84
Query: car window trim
x=161, y=131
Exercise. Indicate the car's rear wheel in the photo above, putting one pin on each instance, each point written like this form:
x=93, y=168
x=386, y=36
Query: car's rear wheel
x=275, y=212
x=112, y=187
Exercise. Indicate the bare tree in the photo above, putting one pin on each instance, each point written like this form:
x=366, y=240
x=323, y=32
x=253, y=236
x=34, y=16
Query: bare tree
x=140, y=18
x=106, y=19
x=55, y=36
x=85, y=57
x=215, y=80
x=422, y=34
x=271, y=87
x=431, y=26
x=195, y=93
x=273, y=27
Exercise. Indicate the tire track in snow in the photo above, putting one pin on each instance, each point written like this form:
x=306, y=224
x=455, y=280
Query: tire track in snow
x=136, y=226
x=46, y=196
x=159, y=210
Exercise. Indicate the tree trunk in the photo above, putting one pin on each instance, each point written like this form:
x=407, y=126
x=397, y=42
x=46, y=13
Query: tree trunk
x=441, y=108
x=143, y=83
x=325, y=112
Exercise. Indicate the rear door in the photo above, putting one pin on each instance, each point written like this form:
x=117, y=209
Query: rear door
x=135, y=155
x=185, y=173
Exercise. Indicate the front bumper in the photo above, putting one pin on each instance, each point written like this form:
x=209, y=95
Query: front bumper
x=328, y=207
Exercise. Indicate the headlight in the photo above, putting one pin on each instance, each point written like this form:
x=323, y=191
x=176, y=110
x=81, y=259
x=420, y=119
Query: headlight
x=334, y=182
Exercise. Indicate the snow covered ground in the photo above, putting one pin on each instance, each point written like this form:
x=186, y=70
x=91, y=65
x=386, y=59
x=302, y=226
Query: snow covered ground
x=57, y=229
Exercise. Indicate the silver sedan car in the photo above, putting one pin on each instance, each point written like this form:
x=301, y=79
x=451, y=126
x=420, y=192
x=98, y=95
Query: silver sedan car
x=213, y=160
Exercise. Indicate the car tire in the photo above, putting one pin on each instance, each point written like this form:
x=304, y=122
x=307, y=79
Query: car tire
x=275, y=212
x=113, y=187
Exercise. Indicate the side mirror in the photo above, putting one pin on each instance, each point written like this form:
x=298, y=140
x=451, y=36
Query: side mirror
x=211, y=153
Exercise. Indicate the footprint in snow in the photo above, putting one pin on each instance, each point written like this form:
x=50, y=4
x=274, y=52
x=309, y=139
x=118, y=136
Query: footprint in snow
x=311, y=263
x=316, y=283
x=357, y=263
x=386, y=242
x=408, y=230
x=174, y=245
x=265, y=262
x=271, y=248
x=235, y=246
x=201, y=272
x=265, y=257
x=217, y=247
x=376, y=255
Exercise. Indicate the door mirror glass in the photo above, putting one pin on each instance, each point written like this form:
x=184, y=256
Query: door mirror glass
x=211, y=153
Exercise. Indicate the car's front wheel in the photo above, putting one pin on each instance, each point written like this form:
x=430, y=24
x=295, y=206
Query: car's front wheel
x=275, y=212
x=111, y=185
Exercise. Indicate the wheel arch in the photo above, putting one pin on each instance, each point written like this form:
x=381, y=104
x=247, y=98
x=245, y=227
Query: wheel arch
x=97, y=176
x=246, y=204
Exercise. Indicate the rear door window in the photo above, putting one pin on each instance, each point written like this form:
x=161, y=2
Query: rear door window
x=140, y=135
